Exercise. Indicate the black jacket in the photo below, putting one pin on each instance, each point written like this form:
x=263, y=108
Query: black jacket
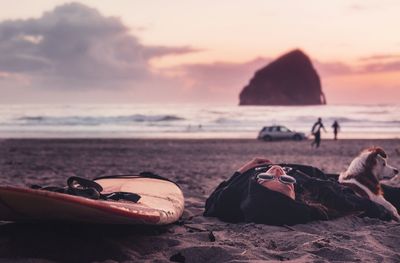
x=242, y=199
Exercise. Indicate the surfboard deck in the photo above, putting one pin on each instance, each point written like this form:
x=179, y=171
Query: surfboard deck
x=161, y=203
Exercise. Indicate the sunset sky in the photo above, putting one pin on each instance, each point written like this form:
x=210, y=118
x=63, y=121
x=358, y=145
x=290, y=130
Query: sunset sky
x=101, y=51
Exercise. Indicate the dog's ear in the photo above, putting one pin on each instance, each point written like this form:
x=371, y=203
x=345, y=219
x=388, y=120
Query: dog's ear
x=380, y=151
x=371, y=160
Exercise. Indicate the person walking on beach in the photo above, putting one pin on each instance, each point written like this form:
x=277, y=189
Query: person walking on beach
x=336, y=128
x=316, y=131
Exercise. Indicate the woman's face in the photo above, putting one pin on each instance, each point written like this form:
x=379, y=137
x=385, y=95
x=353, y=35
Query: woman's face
x=276, y=185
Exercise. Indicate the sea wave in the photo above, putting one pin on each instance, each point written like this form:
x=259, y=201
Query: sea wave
x=227, y=121
x=91, y=120
x=312, y=119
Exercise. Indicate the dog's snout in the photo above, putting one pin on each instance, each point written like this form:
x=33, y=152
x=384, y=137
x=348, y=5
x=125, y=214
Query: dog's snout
x=395, y=171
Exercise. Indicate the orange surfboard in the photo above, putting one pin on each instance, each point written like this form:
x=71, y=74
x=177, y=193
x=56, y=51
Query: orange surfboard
x=161, y=203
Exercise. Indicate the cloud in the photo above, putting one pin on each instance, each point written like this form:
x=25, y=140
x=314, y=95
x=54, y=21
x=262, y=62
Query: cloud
x=367, y=65
x=380, y=57
x=217, y=81
x=381, y=67
x=76, y=46
x=380, y=63
x=332, y=68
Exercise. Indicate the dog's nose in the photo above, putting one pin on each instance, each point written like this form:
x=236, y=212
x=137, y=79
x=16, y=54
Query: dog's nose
x=395, y=171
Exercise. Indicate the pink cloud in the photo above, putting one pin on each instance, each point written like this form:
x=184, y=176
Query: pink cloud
x=368, y=65
x=381, y=67
x=332, y=68
x=380, y=57
x=218, y=81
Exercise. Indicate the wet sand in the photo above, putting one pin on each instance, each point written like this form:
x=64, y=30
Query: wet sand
x=198, y=166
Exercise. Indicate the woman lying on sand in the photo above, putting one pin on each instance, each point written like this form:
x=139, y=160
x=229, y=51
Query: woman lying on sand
x=288, y=194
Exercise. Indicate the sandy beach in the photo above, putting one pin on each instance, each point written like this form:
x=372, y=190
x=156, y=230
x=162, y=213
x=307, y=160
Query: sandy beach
x=198, y=166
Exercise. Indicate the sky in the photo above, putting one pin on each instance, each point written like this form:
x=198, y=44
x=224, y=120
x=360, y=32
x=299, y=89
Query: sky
x=176, y=51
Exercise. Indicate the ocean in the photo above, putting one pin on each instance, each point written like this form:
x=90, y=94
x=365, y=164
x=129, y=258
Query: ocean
x=191, y=121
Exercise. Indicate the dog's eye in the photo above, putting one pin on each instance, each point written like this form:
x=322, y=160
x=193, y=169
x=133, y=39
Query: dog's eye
x=384, y=164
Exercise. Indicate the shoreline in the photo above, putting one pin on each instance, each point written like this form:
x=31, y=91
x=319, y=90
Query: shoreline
x=189, y=139
x=183, y=136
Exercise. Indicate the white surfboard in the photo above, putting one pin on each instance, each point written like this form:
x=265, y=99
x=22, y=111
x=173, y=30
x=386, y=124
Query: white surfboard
x=161, y=203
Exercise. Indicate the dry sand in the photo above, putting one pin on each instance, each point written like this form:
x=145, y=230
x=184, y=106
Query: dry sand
x=198, y=166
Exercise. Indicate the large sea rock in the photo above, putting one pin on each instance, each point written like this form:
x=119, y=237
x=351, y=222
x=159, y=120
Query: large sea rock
x=289, y=80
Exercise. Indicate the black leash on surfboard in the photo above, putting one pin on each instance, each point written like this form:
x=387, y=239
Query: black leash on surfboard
x=83, y=187
x=87, y=188
x=79, y=186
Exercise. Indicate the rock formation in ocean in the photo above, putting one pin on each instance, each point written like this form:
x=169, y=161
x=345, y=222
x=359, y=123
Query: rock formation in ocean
x=289, y=80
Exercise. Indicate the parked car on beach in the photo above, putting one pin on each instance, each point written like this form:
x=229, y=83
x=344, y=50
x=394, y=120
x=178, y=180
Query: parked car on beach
x=278, y=132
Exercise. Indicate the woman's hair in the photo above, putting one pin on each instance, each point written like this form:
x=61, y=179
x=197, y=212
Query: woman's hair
x=326, y=196
x=310, y=199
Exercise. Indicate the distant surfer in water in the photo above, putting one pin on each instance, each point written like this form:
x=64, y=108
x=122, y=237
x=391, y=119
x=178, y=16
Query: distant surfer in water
x=336, y=128
x=316, y=131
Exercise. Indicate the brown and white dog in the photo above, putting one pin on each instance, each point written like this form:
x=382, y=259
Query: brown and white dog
x=365, y=173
